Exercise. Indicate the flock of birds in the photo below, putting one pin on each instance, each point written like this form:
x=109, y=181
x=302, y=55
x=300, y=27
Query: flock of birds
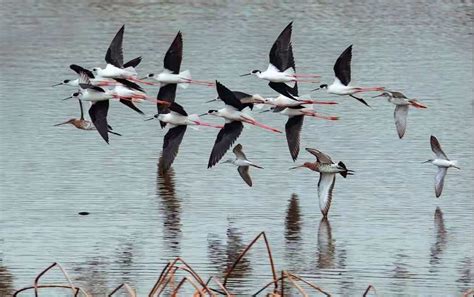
x=120, y=81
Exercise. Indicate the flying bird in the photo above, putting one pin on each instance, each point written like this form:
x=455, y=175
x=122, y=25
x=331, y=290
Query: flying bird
x=232, y=113
x=442, y=162
x=327, y=176
x=341, y=84
x=172, y=64
x=246, y=99
x=281, y=70
x=402, y=104
x=242, y=163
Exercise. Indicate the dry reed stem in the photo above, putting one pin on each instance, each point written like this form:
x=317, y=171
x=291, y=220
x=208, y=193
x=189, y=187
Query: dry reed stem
x=128, y=289
x=295, y=285
x=196, y=287
x=220, y=285
x=242, y=254
x=308, y=283
x=370, y=287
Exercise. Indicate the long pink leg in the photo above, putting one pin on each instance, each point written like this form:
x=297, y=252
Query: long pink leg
x=141, y=81
x=369, y=89
x=200, y=82
x=255, y=123
x=308, y=81
x=319, y=102
x=199, y=123
x=316, y=115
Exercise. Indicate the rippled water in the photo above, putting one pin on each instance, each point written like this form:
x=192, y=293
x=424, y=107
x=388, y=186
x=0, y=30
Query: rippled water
x=385, y=228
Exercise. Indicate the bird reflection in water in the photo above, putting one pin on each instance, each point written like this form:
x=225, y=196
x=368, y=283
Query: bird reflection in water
x=326, y=246
x=223, y=255
x=293, y=243
x=170, y=207
x=125, y=255
x=441, y=241
x=92, y=275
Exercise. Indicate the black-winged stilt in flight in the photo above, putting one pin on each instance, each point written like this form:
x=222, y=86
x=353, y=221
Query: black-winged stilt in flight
x=442, y=162
x=281, y=70
x=172, y=64
x=402, y=104
x=341, y=84
x=327, y=176
x=232, y=113
x=242, y=163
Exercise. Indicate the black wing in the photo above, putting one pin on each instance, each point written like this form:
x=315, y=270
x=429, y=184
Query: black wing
x=281, y=54
x=131, y=105
x=78, y=69
x=170, y=147
x=224, y=141
x=293, y=130
x=342, y=68
x=82, y=109
x=129, y=84
x=166, y=93
x=92, y=87
x=285, y=90
x=241, y=96
x=177, y=108
x=228, y=96
x=114, y=54
x=98, y=113
x=174, y=55
x=133, y=63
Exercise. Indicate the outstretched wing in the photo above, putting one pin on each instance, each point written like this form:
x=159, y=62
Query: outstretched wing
x=400, y=115
x=244, y=173
x=238, y=152
x=224, y=140
x=325, y=187
x=439, y=180
x=98, y=113
x=293, y=130
x=114, y=54
x=174, y=55
x=342, y=68
x=436, y=148
x=281, y=53
x=320, y=156
x=171, y=144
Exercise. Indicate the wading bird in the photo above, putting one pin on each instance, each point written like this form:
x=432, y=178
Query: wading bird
x=341, y=84
x=402, y=104
x=442, y=162
x=233, y=115
x=242, y=163
x=281, y=70
x=327, y=176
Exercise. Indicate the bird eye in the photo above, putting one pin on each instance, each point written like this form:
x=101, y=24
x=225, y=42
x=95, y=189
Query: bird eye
x=75, y=94
x=255, y=71
x=94, y=69
x=151, y=75
x=66, y=81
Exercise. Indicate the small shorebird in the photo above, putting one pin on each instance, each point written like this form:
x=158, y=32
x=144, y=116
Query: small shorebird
x=177, y=119
x=232, y=113
x=172, y=64
x=115, y=67
x=442, y=162
x=327, y=176
x=401, y=109
x=242, y=163
x=281, y=70
x=246, y=99
x=341, y=84
x=82, y=123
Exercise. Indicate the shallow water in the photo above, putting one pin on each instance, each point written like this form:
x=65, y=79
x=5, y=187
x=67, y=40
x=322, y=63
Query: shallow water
x=385, y=227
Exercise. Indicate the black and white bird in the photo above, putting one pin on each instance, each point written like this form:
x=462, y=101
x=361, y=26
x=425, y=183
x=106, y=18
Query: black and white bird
x=327, y=176
x=341, y=84
x=402, y=104
x=281, y=70
x=234, y=117
x=242, y=163
x=442, y=162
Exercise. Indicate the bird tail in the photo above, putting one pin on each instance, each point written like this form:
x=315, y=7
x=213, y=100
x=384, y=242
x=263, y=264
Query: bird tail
x=186, y=75
x=346, y=171
x=291, y=73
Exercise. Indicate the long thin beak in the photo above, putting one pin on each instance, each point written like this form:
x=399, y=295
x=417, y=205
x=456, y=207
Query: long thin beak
x=427, y=161
x=301, y=166
x=151, y=118
x=61, y=124
x=315, y=89
x=70, y=97
x=457, y=167
x=201, y=115
x=215, y=99
x=143, y=78
x=245, y=74
x=377, y=96
x=57, y=85
x=265, y=110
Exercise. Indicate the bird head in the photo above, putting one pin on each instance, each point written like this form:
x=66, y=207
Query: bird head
x=253, y=72
x=384, y=94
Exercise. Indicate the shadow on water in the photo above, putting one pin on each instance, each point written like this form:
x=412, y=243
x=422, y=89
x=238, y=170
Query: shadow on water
x=293, y=242
x=223, y=255
x=125, y=257
x=326, y=246
x=93, y=274
x=439, y=245
x=465, y=280
x=170, y=207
